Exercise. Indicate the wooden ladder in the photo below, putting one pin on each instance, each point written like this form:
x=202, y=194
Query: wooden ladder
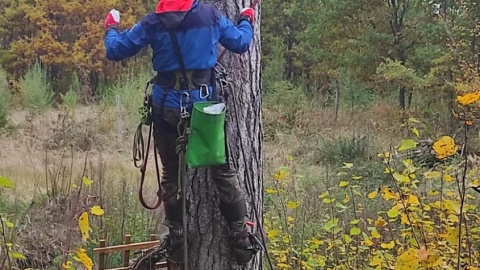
x=126, y=249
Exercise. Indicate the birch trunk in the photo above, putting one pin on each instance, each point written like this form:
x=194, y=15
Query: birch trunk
x=209, y=246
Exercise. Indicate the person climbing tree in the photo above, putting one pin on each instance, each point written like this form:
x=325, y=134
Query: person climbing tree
x=183, y=35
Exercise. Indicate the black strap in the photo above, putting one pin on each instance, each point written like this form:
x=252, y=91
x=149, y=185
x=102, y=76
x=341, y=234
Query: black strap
x=176, y=47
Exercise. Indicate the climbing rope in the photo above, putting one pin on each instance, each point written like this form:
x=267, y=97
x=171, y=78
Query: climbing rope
x=140, y=154
x=180, y=149
x=224, y=83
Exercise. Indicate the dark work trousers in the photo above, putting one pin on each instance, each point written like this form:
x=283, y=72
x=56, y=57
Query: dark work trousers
x=232, y=200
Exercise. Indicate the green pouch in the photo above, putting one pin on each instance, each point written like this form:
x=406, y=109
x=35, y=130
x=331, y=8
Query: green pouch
x=206, y=141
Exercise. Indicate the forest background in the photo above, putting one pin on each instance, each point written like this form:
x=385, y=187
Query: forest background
x=370, y=133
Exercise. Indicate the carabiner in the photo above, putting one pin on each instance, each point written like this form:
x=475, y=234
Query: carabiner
x=204, y=90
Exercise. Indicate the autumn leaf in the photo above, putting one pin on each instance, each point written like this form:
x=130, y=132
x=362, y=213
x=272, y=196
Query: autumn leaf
x=83, y=223
x=281, y=175
x=96, y=210
x=393, y=213
x=407, y=144
x=413, y=200
x=87, y=182
x=68, y=265
x=432, y=174
x=270, y=191
x=372, y=195
x=415, y=131
x=376, y=234
x=388, y=194
x=401, y=178
x=292, y=205
x=347, y=165
x=5, y=182
x=16, y=255
x=272, y=233
x=84, y=259
x=451, y=235
x=343, y=184
x=390, y=245
x=448, y=178
x=376, y=260
x=380, y=223
x=413, y=120
x=445, y=147
x=408, y=260
x=404, y=219
x=453, y=206
x=423, y=254
x=355, y=231
x=368, y=242
x=468, y=98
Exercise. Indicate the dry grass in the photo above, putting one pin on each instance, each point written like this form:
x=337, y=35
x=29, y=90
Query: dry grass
x=56, y=143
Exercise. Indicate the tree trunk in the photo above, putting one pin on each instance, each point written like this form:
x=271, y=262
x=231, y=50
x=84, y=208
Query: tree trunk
x=209, y=246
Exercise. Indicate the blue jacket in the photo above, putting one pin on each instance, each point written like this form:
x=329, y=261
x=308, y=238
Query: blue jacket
x=199, y=28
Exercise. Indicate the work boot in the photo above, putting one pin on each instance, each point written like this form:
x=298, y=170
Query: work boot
x=243, y=247
x=175, y=247
x=149, y=257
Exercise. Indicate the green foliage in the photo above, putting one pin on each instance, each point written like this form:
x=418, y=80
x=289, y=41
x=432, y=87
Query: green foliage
x=71, y=97
x=274, y=70
x=36, y=92
x=4, y=99
x=8, y=228
x=420, y=218
x=129, y=89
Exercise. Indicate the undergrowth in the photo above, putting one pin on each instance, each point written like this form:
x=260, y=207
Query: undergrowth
x=4, y=99
x=414, y=218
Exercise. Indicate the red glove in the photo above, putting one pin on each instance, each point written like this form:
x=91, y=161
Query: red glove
x=247, y=14
x=112, y=20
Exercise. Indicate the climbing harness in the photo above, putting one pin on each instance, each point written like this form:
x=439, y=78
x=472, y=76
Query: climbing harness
x=139, y=152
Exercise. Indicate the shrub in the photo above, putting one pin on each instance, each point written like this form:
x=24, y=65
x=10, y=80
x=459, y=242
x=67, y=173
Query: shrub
x=36, y=92
x=4, y=99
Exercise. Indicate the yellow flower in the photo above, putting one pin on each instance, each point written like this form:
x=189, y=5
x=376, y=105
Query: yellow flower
x=468, y=98
x=445, y=147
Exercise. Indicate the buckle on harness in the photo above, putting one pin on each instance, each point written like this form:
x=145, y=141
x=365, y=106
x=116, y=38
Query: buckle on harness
x=183, y=108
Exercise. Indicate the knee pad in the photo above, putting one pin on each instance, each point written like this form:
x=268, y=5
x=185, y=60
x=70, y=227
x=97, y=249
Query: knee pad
x=235, y=211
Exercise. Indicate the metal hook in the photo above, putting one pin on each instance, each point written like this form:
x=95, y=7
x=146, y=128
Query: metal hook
x=204, y=93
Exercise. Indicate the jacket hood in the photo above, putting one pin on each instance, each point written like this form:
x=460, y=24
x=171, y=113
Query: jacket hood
x=172, y=12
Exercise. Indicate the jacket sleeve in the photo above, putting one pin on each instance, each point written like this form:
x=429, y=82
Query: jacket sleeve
x=235, y=38
x=120, y=45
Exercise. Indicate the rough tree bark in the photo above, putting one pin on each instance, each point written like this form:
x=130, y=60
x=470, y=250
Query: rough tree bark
x=208, y=242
